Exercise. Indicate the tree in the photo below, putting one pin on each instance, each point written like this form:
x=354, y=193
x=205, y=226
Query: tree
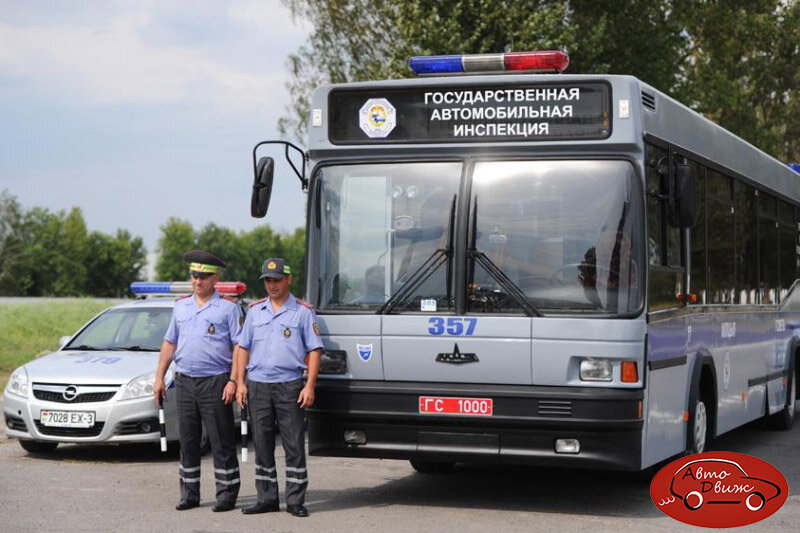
x=114, y=263
x=177, y=238
x=734, y=61
x=10, y=242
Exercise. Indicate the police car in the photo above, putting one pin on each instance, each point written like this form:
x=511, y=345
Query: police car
x=98, y=387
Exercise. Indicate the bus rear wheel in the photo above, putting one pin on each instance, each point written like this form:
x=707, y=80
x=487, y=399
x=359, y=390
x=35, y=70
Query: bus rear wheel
x=698, y=429
x=431, y=467
x=784, y=419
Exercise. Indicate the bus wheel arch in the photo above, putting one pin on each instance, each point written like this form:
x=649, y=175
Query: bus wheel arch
x=702, y=405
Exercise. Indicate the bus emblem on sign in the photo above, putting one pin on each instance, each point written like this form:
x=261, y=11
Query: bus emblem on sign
x=456, y=357
x=377, y=118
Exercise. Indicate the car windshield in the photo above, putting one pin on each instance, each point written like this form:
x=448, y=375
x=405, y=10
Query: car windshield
x=135, y=329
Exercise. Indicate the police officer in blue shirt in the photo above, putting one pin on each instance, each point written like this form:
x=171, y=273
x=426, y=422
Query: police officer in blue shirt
x=201, y=338
x=279, y=341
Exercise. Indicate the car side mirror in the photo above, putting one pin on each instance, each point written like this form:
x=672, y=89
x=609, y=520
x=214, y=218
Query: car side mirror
x=262, y=187
x=63, y=341
x=682, y=200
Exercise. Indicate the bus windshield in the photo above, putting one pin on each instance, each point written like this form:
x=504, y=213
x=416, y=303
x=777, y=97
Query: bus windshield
x=544, y=237
x=379, y=225
x=566, y=233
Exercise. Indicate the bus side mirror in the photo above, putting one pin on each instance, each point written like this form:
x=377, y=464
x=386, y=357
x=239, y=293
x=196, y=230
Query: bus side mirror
x=262, y=187
x=682, y=203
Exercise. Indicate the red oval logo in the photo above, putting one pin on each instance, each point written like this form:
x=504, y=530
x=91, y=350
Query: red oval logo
x=719, y=489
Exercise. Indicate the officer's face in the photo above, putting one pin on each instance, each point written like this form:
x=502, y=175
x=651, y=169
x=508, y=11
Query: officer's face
x=278, y=289
x=203, y=286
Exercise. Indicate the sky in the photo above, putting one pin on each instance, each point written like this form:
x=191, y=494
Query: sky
x=140, y=111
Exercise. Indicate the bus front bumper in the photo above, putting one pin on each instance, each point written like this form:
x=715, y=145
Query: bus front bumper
x=524, y=426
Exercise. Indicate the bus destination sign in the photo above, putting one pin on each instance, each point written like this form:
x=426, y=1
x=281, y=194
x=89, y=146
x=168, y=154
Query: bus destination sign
x=470, y=113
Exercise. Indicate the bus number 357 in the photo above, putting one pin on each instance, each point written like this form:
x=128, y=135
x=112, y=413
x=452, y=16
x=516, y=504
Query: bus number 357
x=452, y=325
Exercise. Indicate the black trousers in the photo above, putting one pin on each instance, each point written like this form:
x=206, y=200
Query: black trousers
x=200, y=403
x=268, y=402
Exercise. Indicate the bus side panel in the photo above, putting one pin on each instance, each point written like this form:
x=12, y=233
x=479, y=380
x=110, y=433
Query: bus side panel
x=359, y=336
x=778, y=386
x=669, y=365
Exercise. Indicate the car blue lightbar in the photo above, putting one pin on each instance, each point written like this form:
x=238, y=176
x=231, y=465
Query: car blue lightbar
x=795, y=167
x=537, y=61
x=143, y=288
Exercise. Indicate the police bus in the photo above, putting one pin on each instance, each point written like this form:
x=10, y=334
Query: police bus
x=511, y=264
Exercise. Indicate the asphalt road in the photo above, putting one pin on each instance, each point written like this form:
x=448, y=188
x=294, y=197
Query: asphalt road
x=134, y=488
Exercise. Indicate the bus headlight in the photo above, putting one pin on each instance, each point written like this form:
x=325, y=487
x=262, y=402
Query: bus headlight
x=595, y=369
x=18, y=383
x=139, y=386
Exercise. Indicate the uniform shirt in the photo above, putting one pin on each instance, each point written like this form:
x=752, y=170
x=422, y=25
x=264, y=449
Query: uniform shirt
x=279, y=342
x=204, y=335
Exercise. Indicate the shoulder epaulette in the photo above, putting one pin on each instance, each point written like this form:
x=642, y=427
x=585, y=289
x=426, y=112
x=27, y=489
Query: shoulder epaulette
x=182, y=298
x=304, y=303
x=261, y=301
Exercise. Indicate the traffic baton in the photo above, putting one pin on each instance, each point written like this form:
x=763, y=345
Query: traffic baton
x=162, y=424
x=244, y=433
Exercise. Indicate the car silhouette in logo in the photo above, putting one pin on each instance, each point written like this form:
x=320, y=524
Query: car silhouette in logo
x=720, y=482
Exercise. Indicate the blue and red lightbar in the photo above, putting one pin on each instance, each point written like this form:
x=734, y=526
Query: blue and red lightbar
x=795, y=167
x=142, y=288
x=539, y=61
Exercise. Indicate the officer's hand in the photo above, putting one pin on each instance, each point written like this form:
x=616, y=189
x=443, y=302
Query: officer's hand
x=159, y=391
x=241, y=394
x=306, y=398
x=229, y=392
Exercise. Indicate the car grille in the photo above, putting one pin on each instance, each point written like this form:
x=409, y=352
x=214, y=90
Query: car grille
x=54, y=392
x=81, y=398
x=134, y=427
x=70, y=432
x=15, y=423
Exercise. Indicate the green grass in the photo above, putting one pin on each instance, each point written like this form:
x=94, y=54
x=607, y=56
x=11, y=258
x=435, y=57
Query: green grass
x=28, y=330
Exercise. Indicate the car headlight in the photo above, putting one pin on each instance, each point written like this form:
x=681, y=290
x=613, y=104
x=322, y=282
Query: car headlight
x=18, y=383
x=139, y=386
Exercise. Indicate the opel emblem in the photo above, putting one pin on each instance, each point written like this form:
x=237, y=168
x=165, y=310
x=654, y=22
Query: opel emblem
x=70, y=393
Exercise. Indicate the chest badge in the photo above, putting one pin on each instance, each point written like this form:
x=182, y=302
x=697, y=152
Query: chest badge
x=287, y=333
x=211, y=329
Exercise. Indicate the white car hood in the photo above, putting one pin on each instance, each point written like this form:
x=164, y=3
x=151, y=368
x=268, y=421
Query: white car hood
x=87, y=368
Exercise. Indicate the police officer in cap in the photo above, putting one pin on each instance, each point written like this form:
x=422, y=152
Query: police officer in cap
x=279, y=341
x=201, y=338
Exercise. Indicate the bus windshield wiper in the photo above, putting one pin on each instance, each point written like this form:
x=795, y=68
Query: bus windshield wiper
x=505, y=282
x=436, y=259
